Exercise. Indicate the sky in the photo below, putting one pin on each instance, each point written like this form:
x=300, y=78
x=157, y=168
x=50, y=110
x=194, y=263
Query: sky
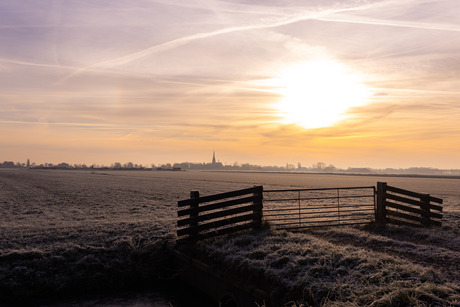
x=353, y=83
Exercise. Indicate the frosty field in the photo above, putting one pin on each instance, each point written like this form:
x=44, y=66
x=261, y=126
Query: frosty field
x=67, y=233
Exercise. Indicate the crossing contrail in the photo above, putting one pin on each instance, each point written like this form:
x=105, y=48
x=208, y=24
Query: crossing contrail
x=326, y=15
x=403, y=24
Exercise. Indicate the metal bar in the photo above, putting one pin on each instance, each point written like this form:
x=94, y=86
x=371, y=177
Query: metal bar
x=294, y=200
x=319, y=226
x=320, y=189
x=338, y=205
x=312, y=222
x=310, y=216
x=316, y=198
x=314, y=209
x=375, y=200
x=356, y=205
x=300, y=221
x=321, y=212
x=284, y=209
x=363, y=220
x=303, y=209
x=357, y=210
x=279, y=215
x=323, y=218
x=285, y=219
x=313, y=218
x=318, y=207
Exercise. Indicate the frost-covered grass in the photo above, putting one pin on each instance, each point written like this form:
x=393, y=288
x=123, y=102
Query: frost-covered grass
x=77, y=231
x=309, y=269
x=72, y=232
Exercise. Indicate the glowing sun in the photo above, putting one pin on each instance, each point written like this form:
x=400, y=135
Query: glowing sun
x=318, y=94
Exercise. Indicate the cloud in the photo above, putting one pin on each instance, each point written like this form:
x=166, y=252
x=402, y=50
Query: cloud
x=294, y=15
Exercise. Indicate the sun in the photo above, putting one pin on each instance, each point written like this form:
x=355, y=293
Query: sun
x=318, y=93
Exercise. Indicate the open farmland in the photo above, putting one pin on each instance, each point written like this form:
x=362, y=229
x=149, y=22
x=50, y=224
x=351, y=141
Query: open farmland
x=69, y=232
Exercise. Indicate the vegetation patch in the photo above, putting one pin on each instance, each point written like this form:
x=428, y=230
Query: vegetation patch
x=318, y=272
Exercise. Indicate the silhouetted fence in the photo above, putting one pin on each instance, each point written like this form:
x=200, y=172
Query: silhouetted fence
x=219, y=214
x=305, y=208
x=213, y=215
x=395, y=205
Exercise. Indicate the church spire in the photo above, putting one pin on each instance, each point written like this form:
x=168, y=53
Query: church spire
x=213, y=157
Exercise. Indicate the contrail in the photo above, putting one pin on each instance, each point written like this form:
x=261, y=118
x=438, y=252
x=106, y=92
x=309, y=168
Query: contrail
x=35, y=64
x=403, y=24
x=184, y=40
x=302, y=16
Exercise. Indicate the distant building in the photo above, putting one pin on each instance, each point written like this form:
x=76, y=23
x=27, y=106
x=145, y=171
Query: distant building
x=214, y=163
x=28, y=163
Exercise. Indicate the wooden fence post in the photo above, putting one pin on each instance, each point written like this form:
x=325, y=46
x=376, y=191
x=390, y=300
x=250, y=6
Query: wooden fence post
x=194, y=213
x=425, y=206
x=380, y=213
x=258, y=203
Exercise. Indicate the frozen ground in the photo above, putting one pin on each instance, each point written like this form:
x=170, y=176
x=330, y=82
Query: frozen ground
x=347, y=266
x=78, y=231
x=70, y=232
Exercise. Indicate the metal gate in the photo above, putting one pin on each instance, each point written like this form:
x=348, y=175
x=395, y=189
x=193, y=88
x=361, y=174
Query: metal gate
x=304, y=208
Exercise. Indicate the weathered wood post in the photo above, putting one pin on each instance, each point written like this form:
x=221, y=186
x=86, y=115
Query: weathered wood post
x=258, y=205
x=194, y=195
x=380, y=213
x=425, y=206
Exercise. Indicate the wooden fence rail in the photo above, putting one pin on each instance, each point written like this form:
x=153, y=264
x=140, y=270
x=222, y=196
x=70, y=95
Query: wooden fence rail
x=214, y=215
x=219, y=214
x=399, y=206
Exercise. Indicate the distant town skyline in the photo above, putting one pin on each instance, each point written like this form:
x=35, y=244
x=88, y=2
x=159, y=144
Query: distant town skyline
x=214, y=164
x=349, y=82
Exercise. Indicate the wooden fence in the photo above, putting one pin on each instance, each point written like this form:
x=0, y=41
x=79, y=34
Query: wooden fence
x=219, y=214
x=395, y=205
x=214, y=215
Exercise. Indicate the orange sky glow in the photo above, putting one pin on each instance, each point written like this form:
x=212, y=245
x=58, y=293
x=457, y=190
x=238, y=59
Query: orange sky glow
x=350, y=83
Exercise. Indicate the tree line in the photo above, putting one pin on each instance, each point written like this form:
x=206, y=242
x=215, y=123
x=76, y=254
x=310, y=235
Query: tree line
x=319, y=167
